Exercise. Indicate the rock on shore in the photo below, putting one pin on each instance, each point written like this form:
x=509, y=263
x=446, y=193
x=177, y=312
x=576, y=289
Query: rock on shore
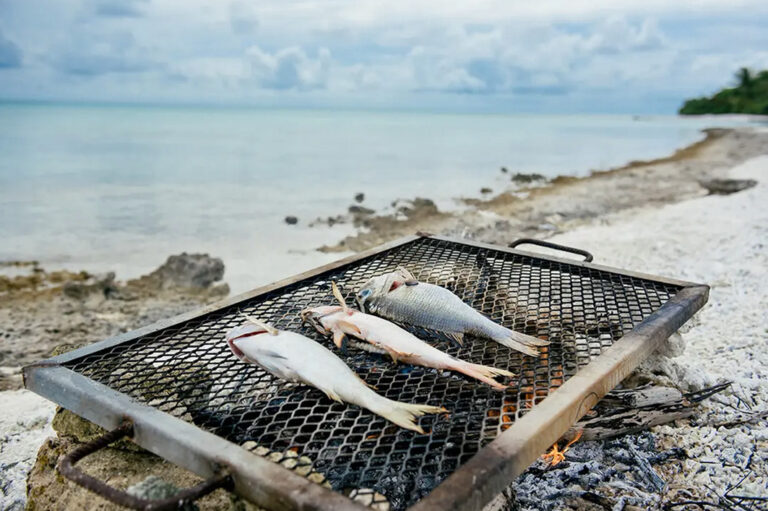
x=64, y=310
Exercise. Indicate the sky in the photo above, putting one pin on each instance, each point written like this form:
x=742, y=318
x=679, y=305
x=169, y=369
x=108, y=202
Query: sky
x=575, y=56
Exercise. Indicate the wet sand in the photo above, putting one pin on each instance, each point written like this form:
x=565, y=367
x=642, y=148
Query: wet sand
x=568, y=202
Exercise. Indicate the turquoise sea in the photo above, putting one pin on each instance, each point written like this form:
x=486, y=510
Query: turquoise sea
x=122, y=187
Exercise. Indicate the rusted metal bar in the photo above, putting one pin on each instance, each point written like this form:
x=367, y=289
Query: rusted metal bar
x=554, y=246
x=572, y=262
x=256, y=479
x=493, y=468
x=125, y=499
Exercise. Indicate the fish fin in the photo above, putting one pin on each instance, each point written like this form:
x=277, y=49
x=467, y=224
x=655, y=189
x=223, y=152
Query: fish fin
x=405, y=414
x=518, y=341
x=349, y=328
x=266, y=326
x=337, y=294
x=484, y=373
x=456, y=337
x=332, y=395
x=526, y=339
x=535, y=341
x=511, y=342
x=366, y=383
x=397, y=355
x=338, y=339
x=406, y=274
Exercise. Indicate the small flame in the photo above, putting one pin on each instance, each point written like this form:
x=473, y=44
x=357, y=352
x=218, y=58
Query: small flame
x=555, y=456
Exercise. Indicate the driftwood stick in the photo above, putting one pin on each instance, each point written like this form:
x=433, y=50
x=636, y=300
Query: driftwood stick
x=629, y=411
x=742, y=420
x=701, y=395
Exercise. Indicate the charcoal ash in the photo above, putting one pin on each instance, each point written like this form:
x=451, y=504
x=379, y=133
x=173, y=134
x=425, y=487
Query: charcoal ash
x=613, y=473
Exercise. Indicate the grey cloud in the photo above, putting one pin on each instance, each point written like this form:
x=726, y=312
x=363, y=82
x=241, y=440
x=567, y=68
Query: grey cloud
x=289, y=68
x=543, y=90
x=544, y=60
x=616, y=35
x=102, y=54
x=117, y=8
x=487, y=71
x=10, y=53
x=242, y=17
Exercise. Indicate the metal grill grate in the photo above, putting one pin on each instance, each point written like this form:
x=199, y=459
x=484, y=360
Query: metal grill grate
x=188, y=371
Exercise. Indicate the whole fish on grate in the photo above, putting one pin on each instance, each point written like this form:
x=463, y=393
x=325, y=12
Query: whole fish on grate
x=400, y=297
x=387, y=337
x=295, y=358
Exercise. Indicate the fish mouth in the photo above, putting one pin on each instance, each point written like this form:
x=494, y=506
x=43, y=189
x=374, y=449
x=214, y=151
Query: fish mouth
x=362, y=299
x=312, y=318
x=241, y=333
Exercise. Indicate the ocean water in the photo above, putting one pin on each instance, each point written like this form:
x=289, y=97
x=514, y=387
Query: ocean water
x=120, y=188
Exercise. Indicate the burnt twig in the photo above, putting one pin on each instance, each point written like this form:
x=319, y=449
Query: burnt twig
x=744, y=420
x=701, y=395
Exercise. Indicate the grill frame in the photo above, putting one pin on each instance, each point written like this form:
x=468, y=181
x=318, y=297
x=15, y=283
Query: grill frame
x=470, y=486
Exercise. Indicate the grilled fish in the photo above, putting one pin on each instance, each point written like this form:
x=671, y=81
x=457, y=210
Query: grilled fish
x=400, y=297
x=386, y=337
x=295, y=358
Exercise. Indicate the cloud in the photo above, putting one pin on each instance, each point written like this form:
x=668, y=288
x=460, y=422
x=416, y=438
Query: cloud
x=223, y=70
x=289, y=68
x=492, y=51
x=616, y=35
x=117, y=8
x=242, y=17
x=89, y=54
x=511, y=58
x=10, y=53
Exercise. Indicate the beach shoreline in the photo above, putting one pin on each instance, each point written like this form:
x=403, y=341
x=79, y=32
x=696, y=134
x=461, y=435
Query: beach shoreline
x=566, y=202
x=143, y=191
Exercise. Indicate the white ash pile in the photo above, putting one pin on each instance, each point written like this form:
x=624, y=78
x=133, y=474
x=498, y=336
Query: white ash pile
x=692, y=459
x=611, y=474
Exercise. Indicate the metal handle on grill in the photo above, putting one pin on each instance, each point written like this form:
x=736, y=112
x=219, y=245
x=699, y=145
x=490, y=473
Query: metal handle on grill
x=67, y=469
x=548, y=244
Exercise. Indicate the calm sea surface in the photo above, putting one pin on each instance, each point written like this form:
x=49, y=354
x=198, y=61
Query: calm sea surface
x=121, y=188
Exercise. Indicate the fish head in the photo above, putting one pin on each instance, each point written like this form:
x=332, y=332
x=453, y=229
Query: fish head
x=372, y=289
x=246, y=332
x=377, y=287
x=320, y=318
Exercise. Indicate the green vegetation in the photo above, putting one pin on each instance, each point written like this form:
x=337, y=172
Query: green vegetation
x=750, y=96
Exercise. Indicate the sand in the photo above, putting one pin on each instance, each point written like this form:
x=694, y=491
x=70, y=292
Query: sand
x=568, y=202
x=721, y=241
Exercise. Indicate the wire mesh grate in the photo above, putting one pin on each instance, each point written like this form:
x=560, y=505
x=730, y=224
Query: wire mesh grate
x=188, y=371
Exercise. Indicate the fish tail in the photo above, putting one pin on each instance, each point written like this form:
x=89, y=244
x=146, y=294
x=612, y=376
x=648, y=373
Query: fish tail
x=484, y=373
x=517, y=341
x=405, y=414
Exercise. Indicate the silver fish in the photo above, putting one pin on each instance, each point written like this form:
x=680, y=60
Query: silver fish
x=400, y=297
x=295, y=358
x=389, y=338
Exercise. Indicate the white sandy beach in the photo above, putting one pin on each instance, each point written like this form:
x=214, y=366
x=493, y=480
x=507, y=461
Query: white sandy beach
x=721, y=241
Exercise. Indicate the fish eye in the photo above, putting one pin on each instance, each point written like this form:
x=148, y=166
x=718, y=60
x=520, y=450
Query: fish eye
x=365, y=293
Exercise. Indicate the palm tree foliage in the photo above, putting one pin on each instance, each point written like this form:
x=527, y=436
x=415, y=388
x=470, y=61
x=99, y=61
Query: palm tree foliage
x=750, y=96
